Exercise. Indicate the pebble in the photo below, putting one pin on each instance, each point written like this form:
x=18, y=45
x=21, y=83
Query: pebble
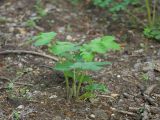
x=92, y=116
x=61, y=29
x=53, y=96
x=118, y=76
x=69, y=37
x=20, y=107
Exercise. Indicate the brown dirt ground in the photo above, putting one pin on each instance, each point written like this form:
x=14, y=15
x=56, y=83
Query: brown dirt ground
x=39, y=93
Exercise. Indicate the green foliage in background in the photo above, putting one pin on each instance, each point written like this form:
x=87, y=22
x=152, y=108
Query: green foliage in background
x=40, y=9
x=152, y=30
x=111, y=5
x=114, y=5
x=75, y=61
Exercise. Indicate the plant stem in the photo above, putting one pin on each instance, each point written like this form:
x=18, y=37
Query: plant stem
x=154, y=11
x=67, y=84
x=148, y=12
x=79, y=85
x=74, y=84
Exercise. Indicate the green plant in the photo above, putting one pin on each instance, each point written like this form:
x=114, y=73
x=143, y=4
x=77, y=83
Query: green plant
x=152, y=32
x=39, y=8
x=114, y=5
x=16, y=115
x=111, y=5
x=75, y=61
x=31, y=23
x=145, y=77
x=152, y=12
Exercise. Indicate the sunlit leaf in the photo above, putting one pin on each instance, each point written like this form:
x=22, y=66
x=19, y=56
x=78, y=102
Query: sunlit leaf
x=64, y=66
x=98, y=87
x=89, y=65
x=62, y=47
x=87, y=95
x=99, y=45
x=109, y=43
x=44, y=38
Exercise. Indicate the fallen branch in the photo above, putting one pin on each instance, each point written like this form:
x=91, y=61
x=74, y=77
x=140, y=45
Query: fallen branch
x=150, y=89
x=123, y=112
x=149, y=99
x=28, y=52
x=154, y=110
x=18, y=83
x=106, y=96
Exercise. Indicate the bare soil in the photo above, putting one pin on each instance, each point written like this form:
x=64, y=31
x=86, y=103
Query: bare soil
x=28, y=86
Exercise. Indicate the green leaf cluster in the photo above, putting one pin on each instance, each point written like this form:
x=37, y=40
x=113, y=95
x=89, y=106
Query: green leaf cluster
x=152, y=32
x=39, y=8
x=114, y=5
x=100, y=46
x=44, y=38
x=111, y=5
x=76, y=60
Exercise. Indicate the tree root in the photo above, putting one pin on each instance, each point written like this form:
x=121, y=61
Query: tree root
x=28, y=52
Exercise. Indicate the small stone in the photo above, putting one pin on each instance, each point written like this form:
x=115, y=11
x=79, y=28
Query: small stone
x=92, y=116
x=69, y=37
x=20, y=65
x=112, y=114
x=61, y=29
x=11, y=29
x=20, y=107
x=118, y=76
x=42, y=102
x=57, y=118
x=67, y=118
x=53, y=96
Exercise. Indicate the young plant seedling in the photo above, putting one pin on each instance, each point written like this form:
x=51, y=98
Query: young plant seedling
x=39, y=8
x=75, y=61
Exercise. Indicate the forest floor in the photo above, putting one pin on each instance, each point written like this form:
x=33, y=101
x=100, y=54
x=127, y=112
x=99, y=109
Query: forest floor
x=29, y=90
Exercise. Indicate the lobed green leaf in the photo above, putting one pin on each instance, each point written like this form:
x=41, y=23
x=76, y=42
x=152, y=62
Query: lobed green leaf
x=44, y=38
x=95, y=86
x=60, y=48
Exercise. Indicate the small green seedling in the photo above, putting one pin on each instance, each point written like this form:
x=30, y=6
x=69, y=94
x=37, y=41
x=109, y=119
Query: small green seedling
x=16, y=115
x=75, y=61
x=39, y=8
x=152, y=32
x=31, y=23
x=111, y=5
x=145, y=77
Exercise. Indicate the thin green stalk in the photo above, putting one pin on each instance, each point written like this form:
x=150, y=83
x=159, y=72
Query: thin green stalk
x=67, y=84
x=79, y=84
x=154, y=11
x=74, y=84
x=148, y=12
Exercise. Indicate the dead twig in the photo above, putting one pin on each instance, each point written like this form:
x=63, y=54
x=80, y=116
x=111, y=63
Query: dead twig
x=150, y=89
x=156, y=95
x=4, y=78
x=28, y=52
x=25, y=84
x=149, y=99
x=154, y=110
x=106, y=96
x=8, y=80
x=124, y=112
